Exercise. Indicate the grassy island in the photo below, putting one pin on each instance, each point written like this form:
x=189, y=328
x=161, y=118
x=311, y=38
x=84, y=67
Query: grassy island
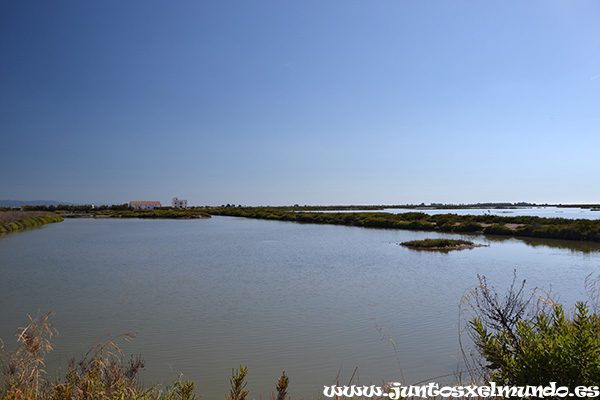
x=440, y=244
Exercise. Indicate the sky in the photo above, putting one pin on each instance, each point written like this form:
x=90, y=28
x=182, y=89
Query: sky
x=300, y=102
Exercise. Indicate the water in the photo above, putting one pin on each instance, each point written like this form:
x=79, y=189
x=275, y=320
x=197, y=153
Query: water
x=208, y=295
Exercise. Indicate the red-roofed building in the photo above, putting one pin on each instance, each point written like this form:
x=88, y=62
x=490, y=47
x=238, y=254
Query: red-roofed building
x=144, y=205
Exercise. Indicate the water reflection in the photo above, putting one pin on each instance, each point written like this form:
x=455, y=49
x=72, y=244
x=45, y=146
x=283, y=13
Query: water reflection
x=571, y=245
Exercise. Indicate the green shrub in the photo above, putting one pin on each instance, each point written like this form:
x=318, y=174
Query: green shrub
x=497, y=229
x=524, y=343
x=181, y=390
x=468, y=226
x=238, y=384
x=420, y=225
x=446, y=227
x=413, y=216
x=13, y=221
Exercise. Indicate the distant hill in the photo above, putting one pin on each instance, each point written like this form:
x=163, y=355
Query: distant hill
x=19, y=203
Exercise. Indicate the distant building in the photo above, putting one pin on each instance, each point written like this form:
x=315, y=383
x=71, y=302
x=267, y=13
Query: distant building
x=176, y=203
x=144, y=205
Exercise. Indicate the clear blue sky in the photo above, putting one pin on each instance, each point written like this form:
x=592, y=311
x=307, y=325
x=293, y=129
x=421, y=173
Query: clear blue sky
x=310, y=102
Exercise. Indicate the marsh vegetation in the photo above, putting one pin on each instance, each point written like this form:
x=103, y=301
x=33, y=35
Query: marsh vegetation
x=14, y=221
x=519, y=226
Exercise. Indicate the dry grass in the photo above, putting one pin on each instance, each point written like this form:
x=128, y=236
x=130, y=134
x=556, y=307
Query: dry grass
x=101, y=374
x=24, y=368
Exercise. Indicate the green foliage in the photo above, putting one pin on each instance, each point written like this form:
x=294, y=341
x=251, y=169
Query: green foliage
x=558, y=228
x=158, y=213
x=238, y=384
x=281, y=386
x=14, y=221
x=549, y=348
x=413, y=216
x=446, y=227
x=527, y=344
x=181, y=390
x=497, y=229
x=468, y=226
x=420, y=225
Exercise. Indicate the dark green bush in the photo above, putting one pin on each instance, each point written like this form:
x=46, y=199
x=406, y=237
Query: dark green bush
x=526, y=344
x=446, y=227
x=497, y=229
x=420, y=225
x=467, y=227
x=412, y=216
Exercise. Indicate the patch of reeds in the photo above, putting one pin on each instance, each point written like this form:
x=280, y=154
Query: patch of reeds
x=102, y=373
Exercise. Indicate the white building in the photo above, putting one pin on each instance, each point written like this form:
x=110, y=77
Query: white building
x=176, y=203
x=144, y=205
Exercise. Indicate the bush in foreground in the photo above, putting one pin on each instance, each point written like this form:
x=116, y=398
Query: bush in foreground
x=528, y=342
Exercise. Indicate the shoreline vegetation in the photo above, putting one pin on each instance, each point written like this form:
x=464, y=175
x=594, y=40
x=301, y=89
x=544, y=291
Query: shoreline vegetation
x=511, y=226
x=119, y=211
x=440, y=244
x=144, y=214
x=35, y=216
x=585, y=230
x=15, y=221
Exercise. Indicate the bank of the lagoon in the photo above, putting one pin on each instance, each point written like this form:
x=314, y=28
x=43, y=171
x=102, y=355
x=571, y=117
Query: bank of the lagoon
x=15, y=221
x=208, y=295
x=517, y=226
x=161, y=213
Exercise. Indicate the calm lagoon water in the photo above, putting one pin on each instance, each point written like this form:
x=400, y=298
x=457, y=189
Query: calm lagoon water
x=208, y=295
